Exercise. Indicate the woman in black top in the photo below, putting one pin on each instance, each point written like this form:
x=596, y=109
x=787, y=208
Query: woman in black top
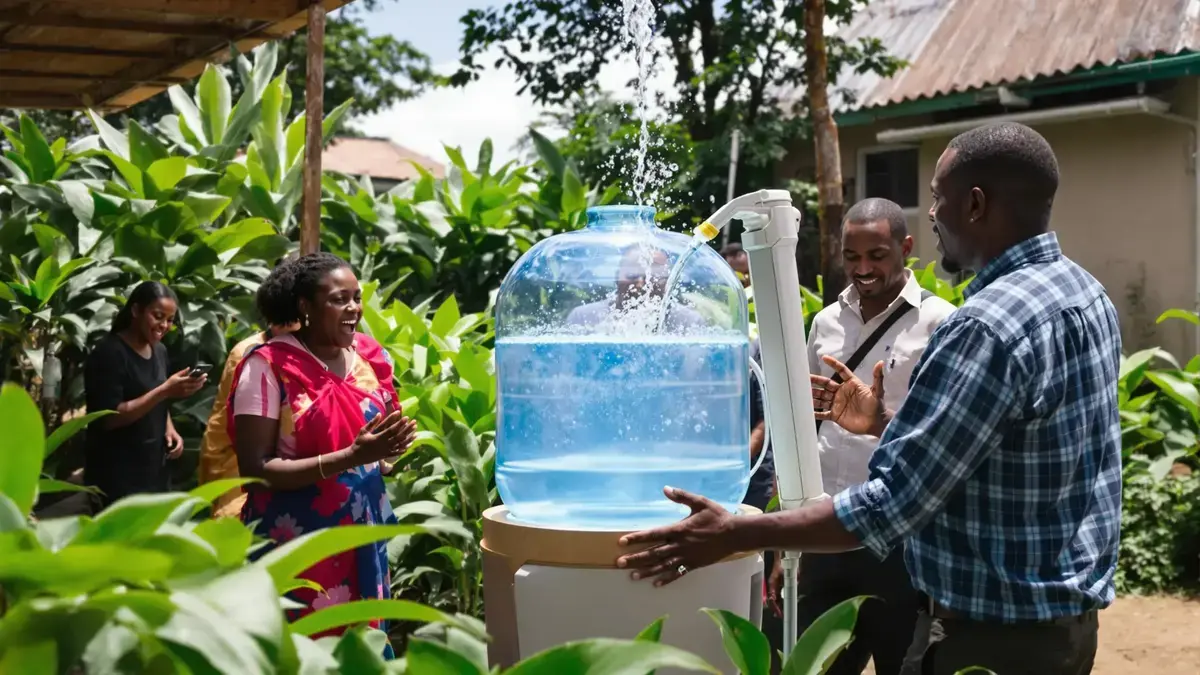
x=127, y=372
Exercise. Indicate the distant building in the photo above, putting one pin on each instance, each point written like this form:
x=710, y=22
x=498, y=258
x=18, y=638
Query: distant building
x=1112, y=86
x=387, y=163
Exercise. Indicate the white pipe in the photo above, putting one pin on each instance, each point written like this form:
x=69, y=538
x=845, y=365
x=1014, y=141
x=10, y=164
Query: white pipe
x=771, y=228
x=1125, y=106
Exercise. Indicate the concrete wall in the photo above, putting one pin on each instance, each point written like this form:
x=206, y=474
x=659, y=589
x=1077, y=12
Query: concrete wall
x=1125, y=209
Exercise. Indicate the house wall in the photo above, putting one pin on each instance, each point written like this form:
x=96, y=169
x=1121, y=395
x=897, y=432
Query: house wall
x=1125, y=210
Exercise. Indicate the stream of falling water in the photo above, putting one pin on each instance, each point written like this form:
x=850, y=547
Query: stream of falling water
x=639, y=34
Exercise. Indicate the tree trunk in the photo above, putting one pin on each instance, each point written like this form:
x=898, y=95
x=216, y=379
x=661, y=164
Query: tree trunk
x=310, y=224
x=825, y=138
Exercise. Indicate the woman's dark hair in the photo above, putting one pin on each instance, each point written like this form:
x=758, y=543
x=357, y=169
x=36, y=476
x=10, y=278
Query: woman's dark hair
x=279, y=295
x=143, y=295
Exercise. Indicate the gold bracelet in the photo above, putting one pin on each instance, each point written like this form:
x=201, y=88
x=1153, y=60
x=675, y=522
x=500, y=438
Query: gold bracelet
x=321, y=465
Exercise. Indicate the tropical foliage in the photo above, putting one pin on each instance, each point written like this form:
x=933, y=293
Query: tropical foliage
x=151, y=585
x=205, y=199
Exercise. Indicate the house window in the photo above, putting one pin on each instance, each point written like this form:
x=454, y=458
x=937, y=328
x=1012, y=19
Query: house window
x=891, y=173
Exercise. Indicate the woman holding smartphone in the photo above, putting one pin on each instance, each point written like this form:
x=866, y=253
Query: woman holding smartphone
x=127, y=373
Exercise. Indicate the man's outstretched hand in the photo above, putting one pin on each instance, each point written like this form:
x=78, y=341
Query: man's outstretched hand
x=850, y=404
x=699, y=540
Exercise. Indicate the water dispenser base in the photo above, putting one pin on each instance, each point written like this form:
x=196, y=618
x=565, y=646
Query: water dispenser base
x=545, y=586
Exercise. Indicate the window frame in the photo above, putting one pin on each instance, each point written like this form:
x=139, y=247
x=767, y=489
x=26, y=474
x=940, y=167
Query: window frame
x=860, y=178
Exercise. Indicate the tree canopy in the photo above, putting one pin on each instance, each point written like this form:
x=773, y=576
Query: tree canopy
x=730, y=63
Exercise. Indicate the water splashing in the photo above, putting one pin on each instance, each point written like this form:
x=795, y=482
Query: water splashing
x=639, y=29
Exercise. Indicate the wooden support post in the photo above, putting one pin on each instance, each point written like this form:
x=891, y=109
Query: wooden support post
x=310, y=228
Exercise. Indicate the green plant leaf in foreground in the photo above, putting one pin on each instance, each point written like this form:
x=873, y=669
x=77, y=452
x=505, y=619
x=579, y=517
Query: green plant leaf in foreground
x=362, y=611
x=653, y=632
x=291, y=559
x=825, y=639
x=745, y=644
x=430, y=658
x=604, y=656
x=209, y=492
x=68, y=429
x=21, y=459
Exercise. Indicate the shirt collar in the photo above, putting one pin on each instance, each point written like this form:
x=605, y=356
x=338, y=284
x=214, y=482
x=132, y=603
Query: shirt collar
x=911, y=293
x=1040, y=249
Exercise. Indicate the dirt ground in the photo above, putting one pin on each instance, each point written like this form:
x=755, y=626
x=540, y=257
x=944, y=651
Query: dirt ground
x=1147, y=635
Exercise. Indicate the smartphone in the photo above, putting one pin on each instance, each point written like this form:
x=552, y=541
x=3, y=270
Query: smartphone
x=199, y=369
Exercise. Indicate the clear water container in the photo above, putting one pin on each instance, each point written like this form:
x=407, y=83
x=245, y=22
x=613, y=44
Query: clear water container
x=608, y=389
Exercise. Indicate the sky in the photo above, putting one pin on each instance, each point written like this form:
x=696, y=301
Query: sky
x=461, y=117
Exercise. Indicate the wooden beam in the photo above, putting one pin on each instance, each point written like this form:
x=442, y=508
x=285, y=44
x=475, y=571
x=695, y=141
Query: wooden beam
x=86, y=77
x=249, y=10
x=314, y=116
x=69, y=50
x=223, y=30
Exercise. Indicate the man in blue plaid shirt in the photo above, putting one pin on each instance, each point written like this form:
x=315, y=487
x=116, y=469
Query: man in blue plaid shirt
x=1001, y=471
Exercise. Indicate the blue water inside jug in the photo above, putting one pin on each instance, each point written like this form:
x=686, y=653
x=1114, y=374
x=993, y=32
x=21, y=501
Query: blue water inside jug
x=593, y=427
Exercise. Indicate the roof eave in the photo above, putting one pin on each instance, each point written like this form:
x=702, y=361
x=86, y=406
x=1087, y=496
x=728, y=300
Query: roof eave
x=1155, y=68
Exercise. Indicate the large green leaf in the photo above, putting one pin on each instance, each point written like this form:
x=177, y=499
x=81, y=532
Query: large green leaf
x=1182, y=391
x=745, y=644
x=356, y=654
x=206, y=207
x=363, y=611
x=136, y=517
x=604, y=656
x=209, y=492
x=81, y=568
x=445, y=317
x=229, y=538
x=239, y=234
x=217, y=637
x=68, y=429
x=824, y=639
x=24, y=446
x=291, y=559
x=145, y=149
x=52, y=485
x=37, y=151
x=114, y=140
x=166, y=173
x=430, y=658
x=190, y=120
x=1183, y=314
x=216, y=100
x=653, y=632
x=462, y=449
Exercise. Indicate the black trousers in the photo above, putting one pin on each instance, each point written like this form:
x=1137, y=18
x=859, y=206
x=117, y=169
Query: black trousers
x=943, y=646
x=885, y=623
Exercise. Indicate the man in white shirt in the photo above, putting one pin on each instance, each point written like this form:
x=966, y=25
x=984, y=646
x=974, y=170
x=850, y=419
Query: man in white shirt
x=883, y=294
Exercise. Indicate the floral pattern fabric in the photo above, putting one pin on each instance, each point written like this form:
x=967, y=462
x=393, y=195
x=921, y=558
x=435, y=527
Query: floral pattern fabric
x=323, y=414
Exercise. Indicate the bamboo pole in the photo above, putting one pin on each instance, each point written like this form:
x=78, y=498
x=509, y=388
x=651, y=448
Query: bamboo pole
x=310, y=228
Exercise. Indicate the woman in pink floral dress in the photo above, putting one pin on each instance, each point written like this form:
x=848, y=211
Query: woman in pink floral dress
x=314, y=414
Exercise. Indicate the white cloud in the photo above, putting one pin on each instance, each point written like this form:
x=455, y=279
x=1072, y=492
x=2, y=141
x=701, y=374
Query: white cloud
x=490, y=107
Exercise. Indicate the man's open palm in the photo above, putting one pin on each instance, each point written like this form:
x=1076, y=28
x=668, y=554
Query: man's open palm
x=850, y=404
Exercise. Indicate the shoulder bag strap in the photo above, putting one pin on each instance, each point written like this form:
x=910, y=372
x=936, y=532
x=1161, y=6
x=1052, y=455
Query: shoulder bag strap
x=873, y=338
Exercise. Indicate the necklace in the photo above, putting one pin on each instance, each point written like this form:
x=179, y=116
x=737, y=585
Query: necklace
x=341, y=354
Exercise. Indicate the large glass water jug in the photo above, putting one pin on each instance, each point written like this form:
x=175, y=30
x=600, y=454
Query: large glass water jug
x=604, y=399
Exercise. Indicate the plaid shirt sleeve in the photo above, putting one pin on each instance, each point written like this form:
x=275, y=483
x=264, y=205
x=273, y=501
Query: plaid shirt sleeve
x=960, y=396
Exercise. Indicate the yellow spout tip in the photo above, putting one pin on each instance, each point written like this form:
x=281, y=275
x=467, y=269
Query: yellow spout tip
x=708, y=231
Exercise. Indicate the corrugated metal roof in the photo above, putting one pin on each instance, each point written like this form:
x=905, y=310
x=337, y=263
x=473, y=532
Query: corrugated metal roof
x=960, y=45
